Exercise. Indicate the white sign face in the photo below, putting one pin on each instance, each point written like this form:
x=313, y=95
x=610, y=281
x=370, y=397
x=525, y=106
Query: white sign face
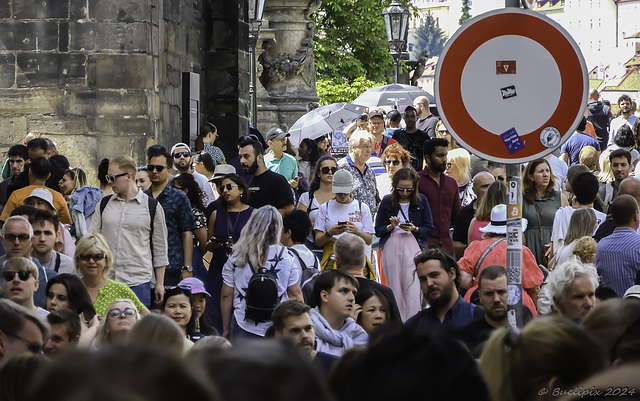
x=511, y=85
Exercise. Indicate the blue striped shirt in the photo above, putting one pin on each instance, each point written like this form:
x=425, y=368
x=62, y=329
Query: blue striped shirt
x=618, y=259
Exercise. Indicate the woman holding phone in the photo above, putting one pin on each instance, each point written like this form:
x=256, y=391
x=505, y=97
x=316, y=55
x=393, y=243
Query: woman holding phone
x=403, y=224
x=225, y=225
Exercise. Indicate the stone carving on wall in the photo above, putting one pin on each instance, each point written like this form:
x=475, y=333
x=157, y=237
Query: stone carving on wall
x=283, y=65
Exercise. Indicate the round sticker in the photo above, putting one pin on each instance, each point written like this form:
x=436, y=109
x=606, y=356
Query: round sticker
x=550, y=137
x=513, y=294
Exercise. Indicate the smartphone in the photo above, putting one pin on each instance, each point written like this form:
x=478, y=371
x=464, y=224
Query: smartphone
x=405, y=224
x=342, y=223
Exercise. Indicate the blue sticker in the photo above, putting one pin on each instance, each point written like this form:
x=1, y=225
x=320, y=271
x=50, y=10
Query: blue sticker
x=512, y=140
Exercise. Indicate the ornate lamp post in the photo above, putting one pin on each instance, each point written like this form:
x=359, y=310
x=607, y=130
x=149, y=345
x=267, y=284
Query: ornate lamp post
x=256, y=7
x=396, y=22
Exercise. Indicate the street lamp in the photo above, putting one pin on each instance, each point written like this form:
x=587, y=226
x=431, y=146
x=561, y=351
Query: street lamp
x=396, y=22
x=256, y=7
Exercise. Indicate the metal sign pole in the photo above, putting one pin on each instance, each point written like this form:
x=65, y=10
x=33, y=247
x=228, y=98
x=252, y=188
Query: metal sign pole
x=514, y=246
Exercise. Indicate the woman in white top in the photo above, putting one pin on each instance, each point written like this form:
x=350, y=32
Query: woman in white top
x=342, y=215
x=258, y=246
x=319, y=193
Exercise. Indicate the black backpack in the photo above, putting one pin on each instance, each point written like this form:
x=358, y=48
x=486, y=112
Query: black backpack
x=307, y=278
x=261, y=296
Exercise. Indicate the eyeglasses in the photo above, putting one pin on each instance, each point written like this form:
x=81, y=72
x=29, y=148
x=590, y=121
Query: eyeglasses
x=32, y=346
x=180, y=154
x=407, y=190
x=22, y=275
x=21, y=237
x=394, y=162
x=229, y=187
x=128, y=312
x=95, y=256
x=113, y=177
x=325, y=170
x=152, y=168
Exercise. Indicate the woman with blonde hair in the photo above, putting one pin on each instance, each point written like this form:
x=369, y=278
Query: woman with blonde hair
x=93, y=260
x=496, y=195
x=589, y=157
x=258, y=247
x=605, y=175
x=549, y=353
x=443, y=132
x=582, y=223
x=458, y=161
x=120, y=317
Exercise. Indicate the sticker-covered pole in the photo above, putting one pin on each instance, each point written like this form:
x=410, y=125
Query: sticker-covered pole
x=514, y=246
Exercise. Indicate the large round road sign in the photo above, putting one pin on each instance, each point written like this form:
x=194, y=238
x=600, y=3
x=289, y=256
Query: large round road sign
x=511, y=85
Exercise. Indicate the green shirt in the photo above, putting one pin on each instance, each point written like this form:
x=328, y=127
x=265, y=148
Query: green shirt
x=112, y=291
x=286, y=166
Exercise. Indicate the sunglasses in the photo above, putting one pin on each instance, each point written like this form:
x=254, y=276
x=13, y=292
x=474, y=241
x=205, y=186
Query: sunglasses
x=32, y=346
x=394, y=162
x=229, y=187
x=180, y=154
x=407, y=190
x=95, y=256
x=22, y=275
x=500, y=178
x=443, y=132
x=152, y=167
x=12, y=237
x=128, y=312
x=325, y=170
x=113, y=177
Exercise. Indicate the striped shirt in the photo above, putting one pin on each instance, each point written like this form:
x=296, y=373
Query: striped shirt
x=618, y=259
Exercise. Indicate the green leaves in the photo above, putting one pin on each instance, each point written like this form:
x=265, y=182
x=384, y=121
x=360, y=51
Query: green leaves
x=350, y=41
x=430, y=36
x=338, y=90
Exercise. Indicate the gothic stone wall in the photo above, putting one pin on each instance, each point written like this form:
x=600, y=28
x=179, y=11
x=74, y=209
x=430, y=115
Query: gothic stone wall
x=100, y=77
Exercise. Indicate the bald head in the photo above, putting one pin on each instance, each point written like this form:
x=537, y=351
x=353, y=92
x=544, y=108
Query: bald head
x=624, y=211
x=421, y=103
x=481, y=183
x=630, y=186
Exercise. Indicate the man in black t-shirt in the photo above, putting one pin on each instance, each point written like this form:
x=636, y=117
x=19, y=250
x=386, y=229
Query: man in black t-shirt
x=267, y=187
x=492, y=291
x=411, y=138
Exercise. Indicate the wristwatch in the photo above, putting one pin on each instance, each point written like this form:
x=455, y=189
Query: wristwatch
x=187, y=268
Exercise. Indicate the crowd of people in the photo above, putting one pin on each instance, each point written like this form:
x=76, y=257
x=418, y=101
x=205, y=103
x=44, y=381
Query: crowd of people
x=287, y=274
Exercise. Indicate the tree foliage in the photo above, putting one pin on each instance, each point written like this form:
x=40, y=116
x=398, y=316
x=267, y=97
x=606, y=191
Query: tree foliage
x=466, y=12
x=335, y=91
x=430, y=36
x=350, y=40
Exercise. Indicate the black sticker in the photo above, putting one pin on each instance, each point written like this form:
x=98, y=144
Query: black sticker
x=509, y=91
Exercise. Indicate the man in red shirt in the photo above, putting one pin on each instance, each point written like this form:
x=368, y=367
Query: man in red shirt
x=441, y=192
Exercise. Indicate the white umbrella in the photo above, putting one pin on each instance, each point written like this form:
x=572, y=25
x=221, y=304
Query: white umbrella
x=323, y=120
x=394, y=95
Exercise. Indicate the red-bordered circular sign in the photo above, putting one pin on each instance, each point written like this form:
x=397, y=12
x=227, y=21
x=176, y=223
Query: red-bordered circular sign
x=511, y=85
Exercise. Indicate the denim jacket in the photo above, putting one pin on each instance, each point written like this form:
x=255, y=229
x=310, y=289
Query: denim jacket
x=419, y=215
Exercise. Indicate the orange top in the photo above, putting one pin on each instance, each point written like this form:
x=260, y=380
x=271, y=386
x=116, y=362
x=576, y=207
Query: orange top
x=19, y=195
x=531, y=274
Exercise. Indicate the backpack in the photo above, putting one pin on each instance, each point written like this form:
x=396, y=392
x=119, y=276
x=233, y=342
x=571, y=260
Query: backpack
x=308, y=273
x=261, y=295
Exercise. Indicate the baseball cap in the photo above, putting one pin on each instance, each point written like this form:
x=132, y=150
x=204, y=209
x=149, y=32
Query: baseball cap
x=196, y=285
x=276, y=133
x=222, y=170
x=178, y=146
x=633, y=291
x=43, y=194
x=342, y=182
x=376, y=113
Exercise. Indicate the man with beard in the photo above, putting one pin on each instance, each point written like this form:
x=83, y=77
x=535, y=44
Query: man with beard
x=411, y=138
x=439, y=277
x=267, y=187
x=626, y=117
x=291, y=319
x=182, y=161
x=620, y=161
x=441, y=192
x=492, y=286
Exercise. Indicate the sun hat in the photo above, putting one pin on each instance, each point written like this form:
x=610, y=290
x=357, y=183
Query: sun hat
x=221, y=170
x=43, y=194
x=498, y=224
